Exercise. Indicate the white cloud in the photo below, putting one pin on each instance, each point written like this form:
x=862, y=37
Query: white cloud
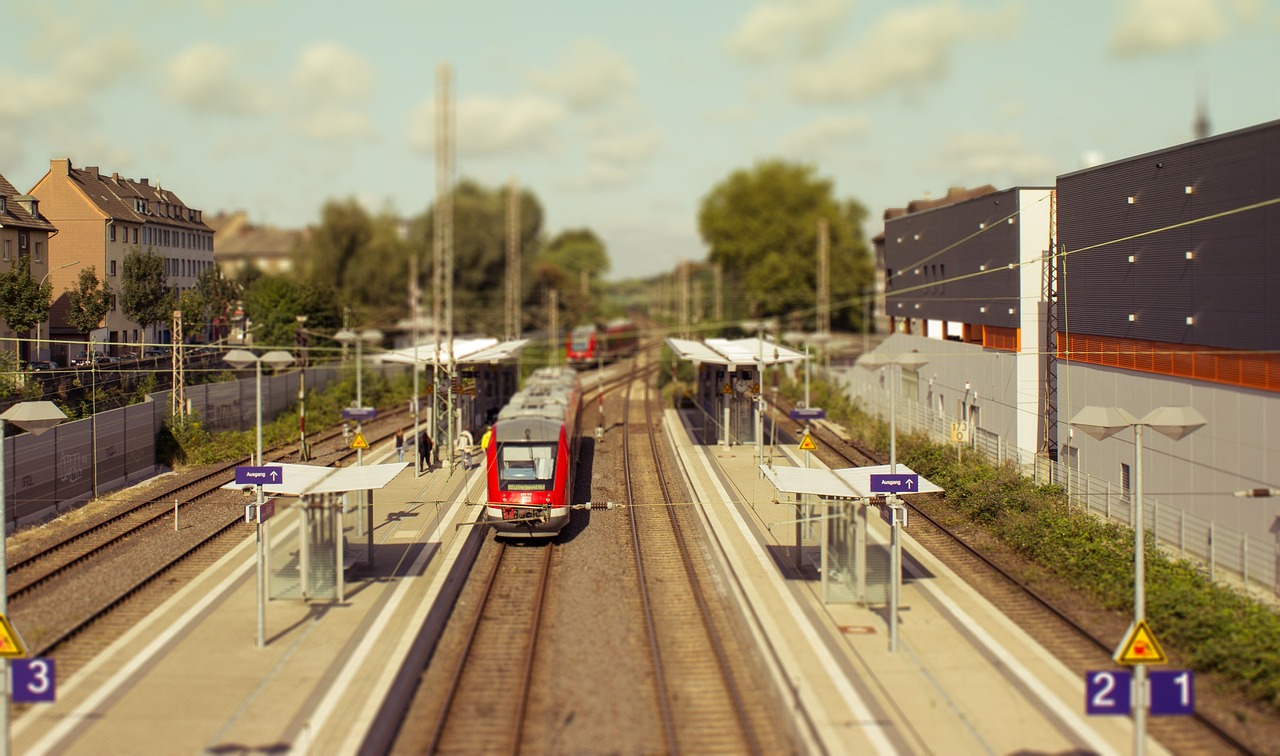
x=602, y=175
x=202, y=77
x=591, y=75
x=492, y=125
x=770, y=28
x=971, y=159
x=826, y=136
x=625, y=148
x=1162, y=26
x=326, y=71
x=905, y=48
x=80, y=70
x=336, y=125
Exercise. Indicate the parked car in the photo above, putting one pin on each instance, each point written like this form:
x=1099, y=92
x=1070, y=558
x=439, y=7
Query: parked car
x=155, y=352
x=42, y=365
x=82, y=359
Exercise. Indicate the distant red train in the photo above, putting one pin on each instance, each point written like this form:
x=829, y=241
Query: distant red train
x=531, y=455
x=592, y=344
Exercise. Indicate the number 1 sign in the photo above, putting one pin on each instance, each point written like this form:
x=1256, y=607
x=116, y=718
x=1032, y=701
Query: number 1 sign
x=1172, y=692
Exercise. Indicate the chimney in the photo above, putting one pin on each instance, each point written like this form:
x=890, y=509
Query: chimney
x=60, y=166
x=92, y=169
x=144, y=181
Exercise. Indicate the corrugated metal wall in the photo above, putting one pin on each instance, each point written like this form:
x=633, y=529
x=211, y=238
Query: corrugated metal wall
x=912, y=244
x=1230, y=287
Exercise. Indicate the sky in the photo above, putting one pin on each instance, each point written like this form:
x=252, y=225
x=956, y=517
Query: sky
x=620, y=117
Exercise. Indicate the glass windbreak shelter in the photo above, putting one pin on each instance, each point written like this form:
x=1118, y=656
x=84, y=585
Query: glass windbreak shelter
x=726, y=401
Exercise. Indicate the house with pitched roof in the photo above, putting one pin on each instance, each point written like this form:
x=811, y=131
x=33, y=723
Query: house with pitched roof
x=101, y=219
x=24, y=235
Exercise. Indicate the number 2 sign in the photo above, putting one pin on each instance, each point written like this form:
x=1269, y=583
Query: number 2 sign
x=1107, y=692
x=34, y=680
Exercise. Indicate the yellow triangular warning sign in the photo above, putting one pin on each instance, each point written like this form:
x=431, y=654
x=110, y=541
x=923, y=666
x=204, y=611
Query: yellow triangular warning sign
x=1141, y=647
x=807, y=444
x=358, y=442
x=11, y=645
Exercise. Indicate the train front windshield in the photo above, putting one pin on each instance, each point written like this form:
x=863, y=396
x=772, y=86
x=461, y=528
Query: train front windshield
x=581, y=339
x=526, y=467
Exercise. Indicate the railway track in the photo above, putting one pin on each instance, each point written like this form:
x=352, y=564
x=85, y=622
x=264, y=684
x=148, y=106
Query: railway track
x=704, y=705
x=102, y=555
x=482, y=706
x=1057, y=630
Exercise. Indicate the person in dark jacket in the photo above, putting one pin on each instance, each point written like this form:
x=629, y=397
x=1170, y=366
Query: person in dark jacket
x=424, y=452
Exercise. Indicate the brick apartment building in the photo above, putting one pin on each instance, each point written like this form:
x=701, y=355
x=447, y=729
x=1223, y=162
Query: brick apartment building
x=101, y=219
x=24, y=233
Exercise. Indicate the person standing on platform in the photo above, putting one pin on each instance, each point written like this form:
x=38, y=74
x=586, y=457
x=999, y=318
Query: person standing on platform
x=424, y=452
x=400, y=444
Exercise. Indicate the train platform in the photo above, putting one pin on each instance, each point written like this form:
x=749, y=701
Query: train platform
x=964, y=678
x=191, y=679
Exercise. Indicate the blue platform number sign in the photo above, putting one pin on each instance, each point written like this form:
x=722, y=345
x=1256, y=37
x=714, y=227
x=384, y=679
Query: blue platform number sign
x=34, y=680
x=1172, y=692
x=1107, y=691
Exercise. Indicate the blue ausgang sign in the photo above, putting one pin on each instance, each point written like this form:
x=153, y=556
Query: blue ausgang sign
x=258, y=476
x=808, y=413
x=900, y=483
x=360, y=414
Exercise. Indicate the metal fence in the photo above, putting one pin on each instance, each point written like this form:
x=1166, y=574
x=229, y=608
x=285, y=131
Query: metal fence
x=52, y=473
x=1225, y=553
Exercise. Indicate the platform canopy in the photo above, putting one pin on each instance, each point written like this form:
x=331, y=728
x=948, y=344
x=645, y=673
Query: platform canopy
x=465, y=351
x=846, y=483
x=745, y=351
x=299, y=480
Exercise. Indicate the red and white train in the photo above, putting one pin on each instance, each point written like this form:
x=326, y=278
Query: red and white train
x=590, y=345
x=531, y=454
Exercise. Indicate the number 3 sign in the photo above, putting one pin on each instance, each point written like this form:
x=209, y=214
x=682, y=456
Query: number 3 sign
x=33, y=680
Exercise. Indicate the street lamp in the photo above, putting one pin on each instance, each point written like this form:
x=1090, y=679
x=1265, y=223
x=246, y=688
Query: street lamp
x=242, y=358
x=41, y=286
x=33, y=417
x=1104, y=422
x=912, y=361
x=372, y=336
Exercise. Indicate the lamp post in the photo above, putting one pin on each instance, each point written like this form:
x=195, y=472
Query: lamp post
x=300, y=343
x=1104, y=422
x=41, y=286
x=242, y=358
x=344, y=337
x=912, y=361
x=34, y=417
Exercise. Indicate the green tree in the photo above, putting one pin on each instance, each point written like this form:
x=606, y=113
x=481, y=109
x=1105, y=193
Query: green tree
x=337, y=243
x=273, y=302
x=88, y=301
x=577, y=250
x=23, y=301
x=214, y=296
x=762, y=227
x=145, y=297
x=480, y=251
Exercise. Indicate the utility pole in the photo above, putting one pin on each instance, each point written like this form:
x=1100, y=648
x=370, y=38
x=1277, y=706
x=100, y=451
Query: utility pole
x=823, y=325
x=417, y=392
x=682, y=273
x=300, y=348
x=442, y=271
x=553, y=326
x=718, y=280
x=178, y=392
x=514, y=284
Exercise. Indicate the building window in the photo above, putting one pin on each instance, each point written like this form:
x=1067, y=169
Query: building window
x=135, y=235
x=112, y=231
x=2, y=204
x=113, y=304
x=7, y=243
x=111, y=267
x=39, y=253
x=1124, y=482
